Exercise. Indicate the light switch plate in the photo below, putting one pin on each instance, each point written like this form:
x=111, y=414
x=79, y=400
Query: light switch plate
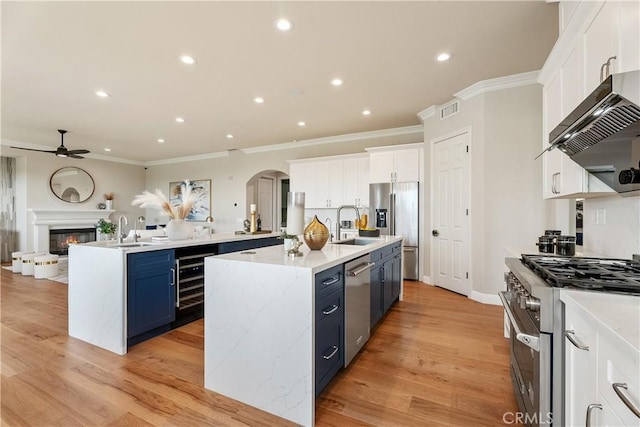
x=602, y=216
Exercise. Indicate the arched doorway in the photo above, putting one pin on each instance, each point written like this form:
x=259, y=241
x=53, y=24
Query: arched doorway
x=268, y=191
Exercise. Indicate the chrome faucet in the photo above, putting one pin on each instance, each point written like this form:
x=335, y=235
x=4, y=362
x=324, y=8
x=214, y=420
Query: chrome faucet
x=121, y=234
x=330, y=233
x=338, y=228
x=136, y=236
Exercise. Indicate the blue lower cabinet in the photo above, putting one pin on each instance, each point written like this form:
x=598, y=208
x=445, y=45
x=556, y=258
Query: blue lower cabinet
x=329, y=325
x=376, y=309
x=151, y=294
x=245, y=245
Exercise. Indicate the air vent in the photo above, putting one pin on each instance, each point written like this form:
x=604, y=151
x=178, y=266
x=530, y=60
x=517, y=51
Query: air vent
x=449, y=109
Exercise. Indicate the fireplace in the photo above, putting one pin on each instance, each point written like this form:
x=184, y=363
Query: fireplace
x=60, y=239
x=52, y=220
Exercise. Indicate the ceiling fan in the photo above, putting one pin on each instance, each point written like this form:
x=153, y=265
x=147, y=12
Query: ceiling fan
x=61, y=151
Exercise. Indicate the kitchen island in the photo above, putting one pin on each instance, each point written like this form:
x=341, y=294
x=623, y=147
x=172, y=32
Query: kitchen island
x=262, y=322
x=120, y=294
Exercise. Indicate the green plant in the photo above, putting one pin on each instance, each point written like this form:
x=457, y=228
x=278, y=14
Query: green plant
x=106, y=226
x=284, y=235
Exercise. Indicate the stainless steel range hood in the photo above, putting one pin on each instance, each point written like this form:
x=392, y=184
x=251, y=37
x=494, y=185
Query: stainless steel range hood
x=603, y=133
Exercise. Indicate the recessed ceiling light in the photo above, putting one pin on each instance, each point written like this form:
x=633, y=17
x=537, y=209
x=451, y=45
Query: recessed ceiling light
x=188, y=59
x=160, y=141
x=230, y=136
x=301, y=123
x=107, y=149
x=337, y=82
x=102, y=94
x=366, y=112
x=283, y=24
x=179, y=120
x=444, y=56
x=258, y=100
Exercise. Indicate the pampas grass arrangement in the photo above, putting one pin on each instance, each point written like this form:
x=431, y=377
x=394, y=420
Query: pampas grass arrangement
x=157, y=200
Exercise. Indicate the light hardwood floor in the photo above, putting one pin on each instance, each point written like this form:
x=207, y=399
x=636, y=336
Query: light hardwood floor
x=437, y=359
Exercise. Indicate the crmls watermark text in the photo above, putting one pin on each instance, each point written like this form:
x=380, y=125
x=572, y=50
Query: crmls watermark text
x=526, y=418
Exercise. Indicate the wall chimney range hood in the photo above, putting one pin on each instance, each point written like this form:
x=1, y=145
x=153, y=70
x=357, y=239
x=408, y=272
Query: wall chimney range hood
x=603, y=133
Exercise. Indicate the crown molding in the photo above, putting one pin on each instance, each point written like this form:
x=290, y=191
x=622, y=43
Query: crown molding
x=382, y=133
x=499, y=83
x=427, y=113
x=197, y=157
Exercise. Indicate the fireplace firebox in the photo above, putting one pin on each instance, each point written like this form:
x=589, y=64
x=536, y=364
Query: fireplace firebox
x=60, y=239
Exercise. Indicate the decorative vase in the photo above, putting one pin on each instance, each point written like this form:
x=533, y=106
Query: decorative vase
x=178, y=229
x=316, y=234
x=108, y=204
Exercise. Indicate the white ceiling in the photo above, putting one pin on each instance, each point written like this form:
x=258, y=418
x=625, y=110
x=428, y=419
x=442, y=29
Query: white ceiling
x=55, y=55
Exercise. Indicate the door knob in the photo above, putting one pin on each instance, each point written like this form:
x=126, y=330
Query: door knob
x=435, y=233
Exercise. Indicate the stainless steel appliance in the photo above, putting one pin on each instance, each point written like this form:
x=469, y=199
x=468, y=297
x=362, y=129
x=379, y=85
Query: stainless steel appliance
x=393, y=209
x=532, y=304
x=357, y=302
x=602, y=134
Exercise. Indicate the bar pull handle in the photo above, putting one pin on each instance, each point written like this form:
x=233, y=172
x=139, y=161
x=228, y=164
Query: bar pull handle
x=329, y=310
x=330, y=281
x=173, y=276
x=569, y=334
x=333, y=353
x=365, y=267
x=178, y=283
x=625, y=399
x=589, y=409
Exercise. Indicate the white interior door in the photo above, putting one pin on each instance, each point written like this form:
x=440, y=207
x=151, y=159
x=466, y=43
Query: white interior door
x=266, y=195
x=450, y=215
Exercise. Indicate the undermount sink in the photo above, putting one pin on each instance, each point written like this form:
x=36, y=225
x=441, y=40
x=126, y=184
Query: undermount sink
x=132, y=245
x=355, y=242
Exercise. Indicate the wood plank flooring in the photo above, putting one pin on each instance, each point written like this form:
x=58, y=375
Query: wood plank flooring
x=437, y=359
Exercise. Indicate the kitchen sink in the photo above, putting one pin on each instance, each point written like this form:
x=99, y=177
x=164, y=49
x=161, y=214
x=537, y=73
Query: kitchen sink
x=132, y=245
x=355, y=242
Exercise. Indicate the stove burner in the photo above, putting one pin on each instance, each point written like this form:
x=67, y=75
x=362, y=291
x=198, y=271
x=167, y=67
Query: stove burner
x=610, y=275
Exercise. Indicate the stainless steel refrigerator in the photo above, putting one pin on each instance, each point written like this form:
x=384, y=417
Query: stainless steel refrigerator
x=393, y=209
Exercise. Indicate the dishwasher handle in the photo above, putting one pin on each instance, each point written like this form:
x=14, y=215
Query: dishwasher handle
x=361, y=269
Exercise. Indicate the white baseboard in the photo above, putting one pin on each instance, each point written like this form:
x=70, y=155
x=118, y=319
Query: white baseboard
x=427, y=280
x=492, y=299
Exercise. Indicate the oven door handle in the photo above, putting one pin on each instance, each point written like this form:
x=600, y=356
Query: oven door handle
x=531, y=341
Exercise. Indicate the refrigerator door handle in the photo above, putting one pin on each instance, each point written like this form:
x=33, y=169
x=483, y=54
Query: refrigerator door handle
x=392, y=214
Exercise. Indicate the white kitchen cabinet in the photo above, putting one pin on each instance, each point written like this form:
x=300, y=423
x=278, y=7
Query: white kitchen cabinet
x=395, y=164
x=329, y=182
x=356, y=181
x=606, y=354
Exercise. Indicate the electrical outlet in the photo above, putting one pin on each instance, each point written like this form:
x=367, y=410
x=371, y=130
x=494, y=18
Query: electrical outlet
x=602, y=216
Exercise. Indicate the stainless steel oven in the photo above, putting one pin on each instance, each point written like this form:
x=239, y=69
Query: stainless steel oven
x=530, y=357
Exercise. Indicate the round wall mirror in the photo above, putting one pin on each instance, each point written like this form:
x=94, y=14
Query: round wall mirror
x=72, y=185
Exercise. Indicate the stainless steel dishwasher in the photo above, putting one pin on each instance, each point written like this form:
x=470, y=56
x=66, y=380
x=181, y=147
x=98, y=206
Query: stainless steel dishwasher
x=357, y=301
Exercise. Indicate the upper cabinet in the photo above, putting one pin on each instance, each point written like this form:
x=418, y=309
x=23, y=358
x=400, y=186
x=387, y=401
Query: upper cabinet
x=400, y=163
x=329, y=182
x=592, y=33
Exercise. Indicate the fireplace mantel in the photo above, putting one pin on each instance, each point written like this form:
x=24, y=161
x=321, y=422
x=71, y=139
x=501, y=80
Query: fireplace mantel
x=46, y=219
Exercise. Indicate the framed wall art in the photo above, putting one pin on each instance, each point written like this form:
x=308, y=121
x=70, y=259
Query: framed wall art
x=202, y=208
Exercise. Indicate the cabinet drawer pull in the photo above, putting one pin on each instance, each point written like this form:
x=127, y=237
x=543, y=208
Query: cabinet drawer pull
x=333, y=353
x=569, y=334
x=329, y=310
x=330, y=281
x=589, y=409
x=625, y=399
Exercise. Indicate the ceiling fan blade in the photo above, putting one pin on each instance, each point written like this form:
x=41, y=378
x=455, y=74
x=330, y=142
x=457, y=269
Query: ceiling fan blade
x=75, y=156
x=70, y=152
x=34, y=149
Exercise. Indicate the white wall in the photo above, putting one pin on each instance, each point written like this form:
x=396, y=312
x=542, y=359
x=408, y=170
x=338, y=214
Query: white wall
x=32, y=182
x=507, y=212
x=611, y=226
x=229, y=175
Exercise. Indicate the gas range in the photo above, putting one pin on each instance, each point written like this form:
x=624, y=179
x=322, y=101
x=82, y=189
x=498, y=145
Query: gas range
x=593, y=274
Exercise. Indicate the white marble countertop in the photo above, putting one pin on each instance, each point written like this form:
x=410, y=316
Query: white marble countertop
x=202, y=239
x=330, y=255
x=620, y=314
